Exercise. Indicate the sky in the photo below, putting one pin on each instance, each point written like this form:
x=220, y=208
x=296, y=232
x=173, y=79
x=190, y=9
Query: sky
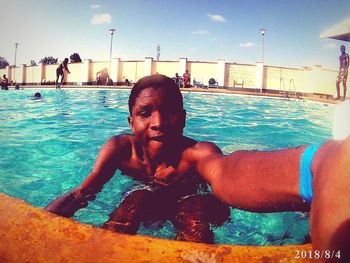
x=205, y=30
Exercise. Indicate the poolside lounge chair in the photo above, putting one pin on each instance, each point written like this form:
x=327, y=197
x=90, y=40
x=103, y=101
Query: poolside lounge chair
x=198, y=83
x=238, y=83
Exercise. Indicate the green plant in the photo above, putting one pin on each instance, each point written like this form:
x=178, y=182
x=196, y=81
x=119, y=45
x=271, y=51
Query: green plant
x=49, y=60
x=3, y=62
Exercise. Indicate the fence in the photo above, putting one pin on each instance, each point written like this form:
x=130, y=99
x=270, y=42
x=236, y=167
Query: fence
x=255, y=77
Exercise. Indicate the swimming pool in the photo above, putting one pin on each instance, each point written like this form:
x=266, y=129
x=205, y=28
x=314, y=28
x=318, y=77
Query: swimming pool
x=48, y=146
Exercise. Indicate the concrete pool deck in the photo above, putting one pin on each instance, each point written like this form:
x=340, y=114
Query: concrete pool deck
x=322, y=98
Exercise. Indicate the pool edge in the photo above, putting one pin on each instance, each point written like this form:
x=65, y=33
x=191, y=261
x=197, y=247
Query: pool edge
x=29, y=234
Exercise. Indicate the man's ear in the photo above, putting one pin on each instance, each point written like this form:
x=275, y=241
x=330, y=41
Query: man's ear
x=131, y=123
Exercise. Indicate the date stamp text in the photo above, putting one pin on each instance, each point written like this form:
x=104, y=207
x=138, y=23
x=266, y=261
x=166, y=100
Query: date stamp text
x=317, y=254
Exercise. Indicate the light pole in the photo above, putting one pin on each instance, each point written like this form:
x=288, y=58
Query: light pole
x=262, y=32
x=112, y=30
x=14, y=71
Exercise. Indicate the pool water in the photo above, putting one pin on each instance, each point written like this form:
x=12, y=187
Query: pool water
x=49, y=146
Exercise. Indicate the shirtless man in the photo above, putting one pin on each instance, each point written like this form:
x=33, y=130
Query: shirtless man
x=343, y=72
x=307, y=178
x=158, y=155
x=4, y=82
x=60, y=71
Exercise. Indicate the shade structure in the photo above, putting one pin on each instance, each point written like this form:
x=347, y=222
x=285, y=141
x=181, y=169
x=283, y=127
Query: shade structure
x=340, y=31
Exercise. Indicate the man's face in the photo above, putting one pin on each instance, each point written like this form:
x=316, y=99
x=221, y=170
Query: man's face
x=157, y=120
x=342, y=49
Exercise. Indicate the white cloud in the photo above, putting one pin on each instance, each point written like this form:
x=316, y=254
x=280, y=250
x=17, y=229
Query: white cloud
x=95, y=6
x=331, y=46
x=101, y=19
x=247, y=45
x=216, y=18
x=200, y=32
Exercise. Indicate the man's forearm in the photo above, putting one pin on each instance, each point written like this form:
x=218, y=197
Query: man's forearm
x=67, y=204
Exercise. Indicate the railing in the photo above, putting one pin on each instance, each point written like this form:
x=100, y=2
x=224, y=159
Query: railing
x=291, y=90
x=294, y=92
x=284, y=87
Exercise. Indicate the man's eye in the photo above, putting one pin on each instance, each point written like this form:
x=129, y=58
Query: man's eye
x=145, y=113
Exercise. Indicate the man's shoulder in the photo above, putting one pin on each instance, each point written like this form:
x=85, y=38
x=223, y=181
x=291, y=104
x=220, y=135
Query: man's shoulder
x=204, y=147
x=121, y=140
x=207, y=146
x=200, y=150
x=119, y=146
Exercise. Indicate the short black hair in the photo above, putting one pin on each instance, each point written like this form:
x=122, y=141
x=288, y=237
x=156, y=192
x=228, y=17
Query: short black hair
x=155, y=81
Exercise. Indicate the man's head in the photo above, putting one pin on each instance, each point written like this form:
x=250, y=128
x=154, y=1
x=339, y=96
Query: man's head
x=157, y=117
x=342, y=49
x=155, y=81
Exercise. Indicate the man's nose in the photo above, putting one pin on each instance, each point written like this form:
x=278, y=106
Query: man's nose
x=158, y=120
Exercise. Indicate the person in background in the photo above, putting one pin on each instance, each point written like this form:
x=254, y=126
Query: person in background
x=102, y=77
x=4, y=82
x=186, y=79
x=177, y=79
x=63, y=66
x=343, y=72
x=36, y=96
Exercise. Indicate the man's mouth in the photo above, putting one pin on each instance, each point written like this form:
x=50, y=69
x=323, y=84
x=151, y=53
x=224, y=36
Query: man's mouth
x=160, y=138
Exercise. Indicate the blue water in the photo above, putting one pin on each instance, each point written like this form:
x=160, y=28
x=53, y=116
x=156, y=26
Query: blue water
x=48, y=147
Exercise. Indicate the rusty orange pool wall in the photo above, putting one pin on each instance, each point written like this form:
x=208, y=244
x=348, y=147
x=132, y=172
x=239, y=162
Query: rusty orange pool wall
x=29, y=234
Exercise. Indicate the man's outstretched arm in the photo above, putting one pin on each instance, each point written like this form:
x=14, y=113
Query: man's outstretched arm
x=258, y=181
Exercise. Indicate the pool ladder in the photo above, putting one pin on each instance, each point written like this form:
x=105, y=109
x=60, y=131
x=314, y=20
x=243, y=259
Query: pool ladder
x=286, y=95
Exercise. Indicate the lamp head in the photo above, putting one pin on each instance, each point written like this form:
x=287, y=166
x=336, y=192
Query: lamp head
x=263, y=31
x=112, y=30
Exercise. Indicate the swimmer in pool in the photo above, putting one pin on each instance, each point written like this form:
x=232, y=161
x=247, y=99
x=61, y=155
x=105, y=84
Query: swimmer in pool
x=36, y=96
x=162, y=161
x=260, y=181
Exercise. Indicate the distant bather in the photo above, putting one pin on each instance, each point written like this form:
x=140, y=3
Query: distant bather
x=102, y=77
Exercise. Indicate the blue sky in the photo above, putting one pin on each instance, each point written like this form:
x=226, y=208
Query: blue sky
x=199, y=30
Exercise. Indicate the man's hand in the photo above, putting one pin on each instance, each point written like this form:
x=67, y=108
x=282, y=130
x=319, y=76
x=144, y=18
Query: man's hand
x=69, y=203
